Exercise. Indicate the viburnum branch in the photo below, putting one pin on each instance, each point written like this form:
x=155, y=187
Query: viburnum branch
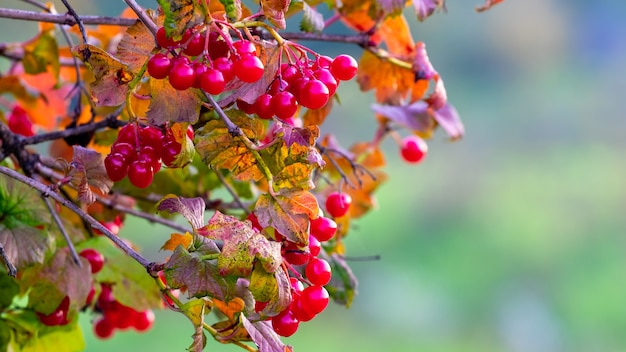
x=65, y=19
x=10, y=267
x=77, y=210
x=143, y=17
x=230, y=190
x=66, y=236
x=72, y=12
x=233, y=129
x=341, y=173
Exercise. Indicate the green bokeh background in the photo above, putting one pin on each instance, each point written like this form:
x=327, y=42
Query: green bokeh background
x=512, y=239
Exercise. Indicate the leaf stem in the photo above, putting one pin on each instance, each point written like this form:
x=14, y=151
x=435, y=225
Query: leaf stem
x=12, y=269
x=143, y=17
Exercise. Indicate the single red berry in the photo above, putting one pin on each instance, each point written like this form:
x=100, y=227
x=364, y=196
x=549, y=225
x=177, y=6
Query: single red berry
x=140, y=174
x=217, y=46
x=328, y=79
x=95, y=258
x=19, y=122
x=194, y=43
x=297, y=87
x=318, y=271
x=298, y=312
x=170, y=152
x=296, y=286
x=212, y=81
x=315, y=247
x=344, y=67
x=90, y=296
x=263, y=106
x=159, y=66
x=255, y=221
x=277, y=85
x=59, y=316
x=285, y=324
x=128, y=134
x=322, y=61
x=199, y=69
x=150, y=156
x=127, y=150
x=106, y=298
x=323, y=229
x=143, y=321
x=284, y=105
x=245, y=107
x=294, y=255
x=314, y=299
x=337, y=204
x=245, y=47
x=413, y=149
x=289, y=73
x=116, y=167
x=314, y=94
x=182, y=76
x=103, y=329
x=259, y=306
x=163, y=40
x=249, y=68
x=226, y=67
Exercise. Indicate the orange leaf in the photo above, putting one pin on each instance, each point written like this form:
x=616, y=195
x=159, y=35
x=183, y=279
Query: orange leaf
x=177, y=239
x=230, y=308
x=289, y=213
x=317, y=116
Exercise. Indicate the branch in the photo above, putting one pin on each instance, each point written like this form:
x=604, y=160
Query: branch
x=7, y=262
x=359, y=39
x=142, y=16
x=66, y=18
x=66, y=236
x=46, y=191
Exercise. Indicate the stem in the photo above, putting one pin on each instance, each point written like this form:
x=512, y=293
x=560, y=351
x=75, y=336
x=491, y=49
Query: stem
x=66, y=18
x=230, y=190
x=72, y=12
x=142, y=16
x=66, y=236
x=46, y=191
x=12, y=269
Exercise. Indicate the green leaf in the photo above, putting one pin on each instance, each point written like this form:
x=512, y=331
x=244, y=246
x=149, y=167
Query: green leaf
x=5, y=335
x=200, y=276
x=289, y=212
x=40, y=53
x=179, y=15
x=233, y=9
x=191, y=209
x=195, y=311
x=172, y=105
x=66, y=338
x=264, y=336
x=344, y=284
x=20, y=205
x=312, y=21
x=263, y=285
x=8, y=289
x=50, y=282
x=131, y=284
x=283, y=298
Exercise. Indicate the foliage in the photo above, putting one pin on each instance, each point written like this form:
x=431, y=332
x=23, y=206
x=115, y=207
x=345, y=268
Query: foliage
x=160, y=111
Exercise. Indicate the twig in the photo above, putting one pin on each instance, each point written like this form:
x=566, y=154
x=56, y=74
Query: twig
x=230, y=190
x=57, y=220
x=66, y=18
x=12, y=269
x=233, y=129
x=72, y=12
x=143, y=17
x=78, y=211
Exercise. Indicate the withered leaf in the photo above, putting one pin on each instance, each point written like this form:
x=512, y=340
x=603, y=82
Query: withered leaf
x=191, y=209
x=172, y=105
x=24, y=245
x=275, y=10
x=288, y=212
x=264, y=336
x=343, y=286
x=136, y=46
x=87, y=170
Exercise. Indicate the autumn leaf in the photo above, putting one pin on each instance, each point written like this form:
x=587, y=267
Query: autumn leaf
x=264, y=336
x=136, y=46
x=263, y=285
x=24, y=245
x=191, y=209
x=195, y=310
x=343, y=286
x=111, y=75
x=233, y=9
x=177, y=239
x=201, y=277
x=275, y=10
x=87, y=170
x=231, y=308
x=317, y=116
x=41, y=52
x=448, y=118
x=20, y=205
x=302, y=136
x=288, y=212
x=50, y=282
x=416, y=116
x=425, y=8
x=179, y=15
x=312, y=21
x=172, y=105
x=487, y=5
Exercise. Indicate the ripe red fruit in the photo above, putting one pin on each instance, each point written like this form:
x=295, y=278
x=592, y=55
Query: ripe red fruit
x=194, y=45
x=212, y=81
x=323, y=229
x=151, y=136
x=328, y=79
x=59, y=316
x=322, y=61
x=294, y=255
x=344, y=67
x=318, y=271
x=103, y=329
x=127, y=150
x=90, y=296
x=314, y=94
x=315, y=247
x=284, y=105
x=314, y=299
x=249, y=68
x=245, y=47
x=149, y=155
x=162, y=39
x=19, y=122
x=298, y=312
x=95, y=258
x=116, y=167
x=245, y=107
x=217, y=46
x=182, y=76
x=106, y=298
x=289, y=73
x=159, y=66
x=255, y=221
x=285, y=324
x=170, y=152
x=127, y=134
x=413, y=149
x=198, y=69
x=337, y=204
x=143, y=320
x=263, y=106
x=224, y=65
x=140, y=174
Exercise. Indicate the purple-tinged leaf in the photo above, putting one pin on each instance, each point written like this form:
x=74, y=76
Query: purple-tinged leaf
x=87, y=170
x=24, y=245
x=172, y=105
x=425, y=8
x=312, y=21
x=191, y=209
x=264, y=336
x=422, y=66
x=448, y=118
x=414, y=116
x=305, y=136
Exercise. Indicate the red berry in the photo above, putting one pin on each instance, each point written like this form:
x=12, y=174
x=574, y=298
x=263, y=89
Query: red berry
x=289, y=73
x=297, y=87
x=95, y=258
x=170, y=152
x=103, y=329
x=127, y=134
x=159, y=66
x=318, y=271
x=198, y=69
x=143, y=320
x=217, y=46
x=226, y=67
x=296, y=286
x=116, y=167
x=284, y=105
x=323, y=229
x=315, y=247
x=194, y=45
x=413, y=149
x=314, y=299
x=322, y=61
x=140, y=174
x=337, y=204
x=163, y=40
x=59, y=316
x=298, y=312
x=344, y=67
x=19, y=122
x=127, y=150
x=259, y=306
x=245, y=47
x=263, y=106
x=212, y=81
x=151, y=136
x=182, y=76
x=245, y=107
x=295, y=255
x=90, y=296
x=150, y=156
x=285, y=324
x=277, y=85
x=249, y=68
x=314, y=94
x=327, y=78
x=255, y=221
x=106, y=298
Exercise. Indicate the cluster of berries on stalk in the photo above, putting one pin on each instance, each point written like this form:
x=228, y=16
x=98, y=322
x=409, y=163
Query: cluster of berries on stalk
x=118, y=316
x=138, y=153
x=307, y=302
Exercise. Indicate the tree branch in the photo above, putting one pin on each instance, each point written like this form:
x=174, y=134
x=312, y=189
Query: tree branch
x=142, y=15
x=66, y=18
x=12, y=269
x=46, y=191
x=66, y=236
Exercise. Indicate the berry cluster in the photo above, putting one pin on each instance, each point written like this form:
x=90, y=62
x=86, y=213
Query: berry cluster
x=138, y=153
x=118, y=316
x=310, y=83
x=413, y=149
x=216, y=63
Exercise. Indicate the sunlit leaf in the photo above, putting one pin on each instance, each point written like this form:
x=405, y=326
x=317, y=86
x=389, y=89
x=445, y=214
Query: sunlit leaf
x=312, y=21
x=191, y=209
x=264, y=336
x=343, y=286
x=111, y=75
x=172, y=105
x=275, y=10
x=136, y=46
x=40, y=53
x=66, y=338
x=231, y=308
x=317, y=116
x=87, y=170
x=177, y=239
x=263, y=285
x=288, y=212
x=179, y=15
x=195, y=310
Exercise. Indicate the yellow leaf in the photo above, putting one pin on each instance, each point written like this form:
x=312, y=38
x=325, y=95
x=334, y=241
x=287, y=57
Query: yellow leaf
x=177, y=239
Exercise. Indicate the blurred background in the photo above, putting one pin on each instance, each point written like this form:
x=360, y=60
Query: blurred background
x=513, y=239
